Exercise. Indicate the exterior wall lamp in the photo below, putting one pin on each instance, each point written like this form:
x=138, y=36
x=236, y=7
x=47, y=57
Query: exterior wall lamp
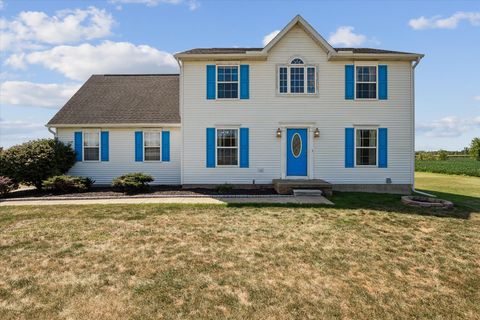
x=316, y=133
x=279, y=133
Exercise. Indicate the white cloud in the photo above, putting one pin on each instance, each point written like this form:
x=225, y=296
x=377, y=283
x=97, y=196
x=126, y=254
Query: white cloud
x=19, y=127
x=269, y=37
x=439, y=22
x=18, y=131
x=192, y=4
x=449, y=127
x=30, y=94
x=79, y=62
x=33, y=29
x=344, y=36
x=476, y=98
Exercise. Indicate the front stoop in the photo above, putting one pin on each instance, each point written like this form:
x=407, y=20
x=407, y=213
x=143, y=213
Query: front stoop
x=286, y=186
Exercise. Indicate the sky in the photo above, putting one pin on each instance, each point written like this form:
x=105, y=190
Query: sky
x=49, y=48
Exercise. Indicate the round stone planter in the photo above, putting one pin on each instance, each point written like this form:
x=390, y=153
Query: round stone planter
x=426, y=202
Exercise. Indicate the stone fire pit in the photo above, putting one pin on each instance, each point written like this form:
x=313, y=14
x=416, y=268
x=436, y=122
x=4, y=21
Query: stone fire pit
x=426, y=202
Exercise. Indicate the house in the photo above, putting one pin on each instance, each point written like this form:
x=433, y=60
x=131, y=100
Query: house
x=297, y=110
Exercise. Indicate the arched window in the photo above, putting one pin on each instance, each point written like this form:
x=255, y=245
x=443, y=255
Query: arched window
x=297, y=78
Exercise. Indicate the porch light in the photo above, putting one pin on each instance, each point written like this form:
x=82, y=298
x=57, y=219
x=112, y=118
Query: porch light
x=316, y=133
x=279, y=133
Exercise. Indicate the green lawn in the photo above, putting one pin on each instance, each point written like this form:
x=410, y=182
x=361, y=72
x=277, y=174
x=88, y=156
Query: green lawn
x=454, y=165
x=369, y=257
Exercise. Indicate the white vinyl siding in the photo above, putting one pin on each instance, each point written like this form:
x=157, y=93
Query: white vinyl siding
x=266, y=109
x=122, y=157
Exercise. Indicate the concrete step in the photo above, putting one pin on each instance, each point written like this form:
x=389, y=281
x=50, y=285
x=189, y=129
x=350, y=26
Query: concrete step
x=307, y=192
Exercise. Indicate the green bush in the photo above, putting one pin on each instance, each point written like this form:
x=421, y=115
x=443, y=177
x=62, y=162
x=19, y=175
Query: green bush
x=6, y=185
x=132, y=182
x=34, y=161
x=475, y=148
x=64, y=184
x=442, y=155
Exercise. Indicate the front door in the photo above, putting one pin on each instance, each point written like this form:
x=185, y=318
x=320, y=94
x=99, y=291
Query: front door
x=297, y=152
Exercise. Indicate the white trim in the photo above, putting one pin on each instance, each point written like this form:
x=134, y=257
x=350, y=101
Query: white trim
x=115, y=125
x=356, y=128
x=364, y=64
x=159, y=131
x=237, y=147
x=217, y=82
x=97, y=131
x=305, y=79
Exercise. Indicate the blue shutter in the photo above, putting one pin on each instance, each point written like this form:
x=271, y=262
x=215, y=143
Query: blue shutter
x=78, y=143
x=349, y=81
x=165, y=145
x=244, y=81
x=382, y=82
x=139, y=146
x=349, y=147
x=211, y=81
x=210, y=147
x=382, y=147
x=244, y=148
x=104, y=146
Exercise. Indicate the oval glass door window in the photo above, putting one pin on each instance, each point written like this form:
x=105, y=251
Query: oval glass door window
x=296, y=145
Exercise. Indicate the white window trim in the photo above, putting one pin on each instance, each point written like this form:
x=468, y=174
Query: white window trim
x=160, y=147
x=305, y=79
x=99, y=145
x=355, y=148
x=237, y=147
x=366, y=64
x=217, y=82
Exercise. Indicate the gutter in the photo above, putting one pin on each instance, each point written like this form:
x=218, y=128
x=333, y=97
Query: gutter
x=412, y=94
x=51, y=131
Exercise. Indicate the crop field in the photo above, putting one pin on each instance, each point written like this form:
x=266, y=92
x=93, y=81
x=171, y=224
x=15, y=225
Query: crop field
x=461, y=166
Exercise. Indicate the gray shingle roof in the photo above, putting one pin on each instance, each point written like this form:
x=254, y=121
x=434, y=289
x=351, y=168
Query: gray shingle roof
x=244, y=50
x=120, y=99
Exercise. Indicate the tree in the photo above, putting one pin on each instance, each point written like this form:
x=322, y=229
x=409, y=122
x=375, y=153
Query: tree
x=34, y=161
x=475, y=148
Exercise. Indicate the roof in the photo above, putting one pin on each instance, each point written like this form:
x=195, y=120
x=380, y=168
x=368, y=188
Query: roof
x=244, y=50
x=123, y=99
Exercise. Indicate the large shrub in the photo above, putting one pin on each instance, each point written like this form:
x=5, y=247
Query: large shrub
x=6, y=185
x=34, y=161
x=475, y=148
x=132, y=182
x=64, y=184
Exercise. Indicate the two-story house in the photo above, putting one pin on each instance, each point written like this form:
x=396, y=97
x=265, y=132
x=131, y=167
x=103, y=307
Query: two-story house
x=297, y=109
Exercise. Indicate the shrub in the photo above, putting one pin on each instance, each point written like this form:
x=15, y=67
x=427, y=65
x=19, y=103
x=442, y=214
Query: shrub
x=224, y=188
x=37, y=160
x=442, y=155
x=132, y=182
x=66, y=184
x=475, y=148
x=6, y=185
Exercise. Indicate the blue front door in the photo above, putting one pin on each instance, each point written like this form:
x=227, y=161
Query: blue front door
x=297, y=152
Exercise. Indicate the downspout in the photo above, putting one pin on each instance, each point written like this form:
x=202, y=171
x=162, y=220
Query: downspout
x=412, y=94
x=180, y=98
x=52, y=132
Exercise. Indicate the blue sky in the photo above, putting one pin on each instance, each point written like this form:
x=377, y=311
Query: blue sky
x=49, y=48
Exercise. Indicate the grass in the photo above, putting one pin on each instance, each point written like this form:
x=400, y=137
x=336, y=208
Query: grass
x=462, y=190
x=454, y=165
x=368, y=257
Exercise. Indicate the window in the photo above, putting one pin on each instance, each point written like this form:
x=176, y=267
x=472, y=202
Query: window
x=297, y=78
x=227, y=147
x=366, y=84
x=366, y=147
x=91, y=146
x=151, y=145
x=227, y=82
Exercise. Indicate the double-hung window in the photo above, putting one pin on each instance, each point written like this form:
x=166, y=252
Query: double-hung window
x=297, y=78
x=366, y=147
x=227, y=82
x=91, y=146
x=366, y=82
x=151, y=145
x=227, y=147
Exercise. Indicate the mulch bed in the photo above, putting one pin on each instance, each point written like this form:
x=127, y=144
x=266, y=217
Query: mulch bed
x=108, y=192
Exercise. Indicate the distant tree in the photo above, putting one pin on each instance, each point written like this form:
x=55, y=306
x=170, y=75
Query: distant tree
x=442, y=155
x=475, y=148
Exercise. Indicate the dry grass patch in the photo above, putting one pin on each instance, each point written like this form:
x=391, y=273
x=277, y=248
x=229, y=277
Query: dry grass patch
x=204, y=262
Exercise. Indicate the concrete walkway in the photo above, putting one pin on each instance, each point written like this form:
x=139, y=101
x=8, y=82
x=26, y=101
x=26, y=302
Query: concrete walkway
x=170, y=200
